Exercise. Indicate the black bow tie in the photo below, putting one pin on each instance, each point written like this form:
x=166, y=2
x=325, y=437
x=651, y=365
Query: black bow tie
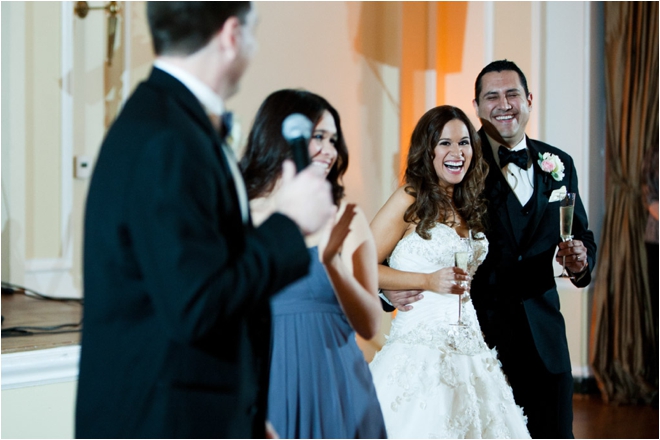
x=516, y=157
x=226, y=121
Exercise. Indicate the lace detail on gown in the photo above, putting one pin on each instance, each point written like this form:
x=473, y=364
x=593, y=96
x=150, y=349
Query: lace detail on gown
x=435, y=379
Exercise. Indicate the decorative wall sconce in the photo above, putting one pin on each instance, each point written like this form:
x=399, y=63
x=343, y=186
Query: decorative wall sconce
x=112, y=9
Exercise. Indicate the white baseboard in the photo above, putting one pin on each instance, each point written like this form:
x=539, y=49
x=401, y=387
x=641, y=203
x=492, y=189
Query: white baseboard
x=40, y=367
x=581, y=372
x=53, y=282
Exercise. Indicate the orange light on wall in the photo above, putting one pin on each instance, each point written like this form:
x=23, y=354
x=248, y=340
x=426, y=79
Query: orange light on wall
x=451, y=21
x=433, y=36
x=414, y=62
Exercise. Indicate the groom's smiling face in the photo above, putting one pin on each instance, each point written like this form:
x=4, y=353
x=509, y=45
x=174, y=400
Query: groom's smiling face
x=504, y=106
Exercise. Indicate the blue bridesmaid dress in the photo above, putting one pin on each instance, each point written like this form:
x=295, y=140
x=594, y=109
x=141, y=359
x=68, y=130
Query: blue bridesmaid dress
x=320, y=384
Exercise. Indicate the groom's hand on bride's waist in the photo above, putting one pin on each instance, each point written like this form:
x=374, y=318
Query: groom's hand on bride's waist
x=401, y=299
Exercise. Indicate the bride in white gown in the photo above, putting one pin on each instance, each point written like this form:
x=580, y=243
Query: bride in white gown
x=436, y=379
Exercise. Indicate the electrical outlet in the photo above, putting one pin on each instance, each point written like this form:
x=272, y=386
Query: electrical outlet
x=82, y=166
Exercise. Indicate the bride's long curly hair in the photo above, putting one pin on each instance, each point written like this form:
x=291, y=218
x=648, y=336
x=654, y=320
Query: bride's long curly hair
x=432, y=202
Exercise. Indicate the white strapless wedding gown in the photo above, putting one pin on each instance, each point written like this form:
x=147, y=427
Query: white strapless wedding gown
x=435, y=379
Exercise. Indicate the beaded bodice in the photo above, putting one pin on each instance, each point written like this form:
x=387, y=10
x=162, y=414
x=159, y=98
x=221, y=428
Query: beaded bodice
x=431, y=320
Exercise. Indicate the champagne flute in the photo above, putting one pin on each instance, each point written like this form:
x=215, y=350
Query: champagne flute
x=461, y=261
x=566, y=207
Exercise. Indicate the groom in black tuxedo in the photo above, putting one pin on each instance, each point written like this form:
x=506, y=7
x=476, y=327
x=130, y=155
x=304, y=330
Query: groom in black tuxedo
x=177, y=280
x=514, y=290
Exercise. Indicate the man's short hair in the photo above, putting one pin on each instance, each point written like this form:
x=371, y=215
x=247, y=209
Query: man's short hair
x=499, y=66
x=182, y=28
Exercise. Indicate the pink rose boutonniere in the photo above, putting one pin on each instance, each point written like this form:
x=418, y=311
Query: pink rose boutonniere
x=550, y=163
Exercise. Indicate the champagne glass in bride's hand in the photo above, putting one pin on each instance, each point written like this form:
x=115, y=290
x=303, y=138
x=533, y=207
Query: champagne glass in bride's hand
x=461, y=261
x=566, y=206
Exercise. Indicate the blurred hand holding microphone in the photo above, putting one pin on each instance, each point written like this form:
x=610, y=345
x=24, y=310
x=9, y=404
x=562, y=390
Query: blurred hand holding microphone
x=297, y=130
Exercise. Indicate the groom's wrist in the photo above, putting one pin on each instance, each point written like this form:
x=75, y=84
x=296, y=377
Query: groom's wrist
x=579, y=275
x=384, y=298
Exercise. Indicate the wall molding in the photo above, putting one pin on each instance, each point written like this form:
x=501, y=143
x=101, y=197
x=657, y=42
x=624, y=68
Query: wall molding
x=40, y=367
x=126, y=74
x=586, y=101
x=65, y=260
x=489, y=31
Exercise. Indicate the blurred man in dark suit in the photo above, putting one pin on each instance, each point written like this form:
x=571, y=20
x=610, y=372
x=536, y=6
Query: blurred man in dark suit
x=177, y=281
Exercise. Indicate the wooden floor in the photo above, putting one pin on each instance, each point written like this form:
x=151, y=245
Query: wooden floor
x=19, y=310
x=592, y=418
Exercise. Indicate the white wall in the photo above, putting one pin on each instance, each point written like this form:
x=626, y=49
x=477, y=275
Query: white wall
x=573, y=119
x=312, y=45
x=39, y=412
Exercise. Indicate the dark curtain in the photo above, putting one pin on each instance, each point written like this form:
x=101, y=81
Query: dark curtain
x=623, y=349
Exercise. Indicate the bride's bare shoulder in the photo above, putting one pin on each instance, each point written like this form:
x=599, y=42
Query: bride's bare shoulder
x=402, y=195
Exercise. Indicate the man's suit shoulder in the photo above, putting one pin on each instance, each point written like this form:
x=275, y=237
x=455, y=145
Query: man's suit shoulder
x=155, y=110
x=542, y=147
x=147, y=100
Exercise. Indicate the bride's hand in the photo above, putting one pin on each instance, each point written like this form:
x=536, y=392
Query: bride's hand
x=339, y=232
x=447, y=280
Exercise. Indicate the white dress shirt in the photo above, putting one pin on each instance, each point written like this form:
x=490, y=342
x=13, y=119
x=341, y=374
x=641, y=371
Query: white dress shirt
x=521, y=181
x=214, y=106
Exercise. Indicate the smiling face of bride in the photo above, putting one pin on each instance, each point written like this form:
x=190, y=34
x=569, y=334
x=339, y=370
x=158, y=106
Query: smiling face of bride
x=453, y=153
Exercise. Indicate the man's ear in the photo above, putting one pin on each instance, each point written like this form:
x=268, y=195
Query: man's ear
x=228, y=37
x=529, y=100
x=476, y=107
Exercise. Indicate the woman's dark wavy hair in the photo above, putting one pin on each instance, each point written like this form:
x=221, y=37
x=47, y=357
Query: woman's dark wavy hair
x=432, y=203
x=267, y=149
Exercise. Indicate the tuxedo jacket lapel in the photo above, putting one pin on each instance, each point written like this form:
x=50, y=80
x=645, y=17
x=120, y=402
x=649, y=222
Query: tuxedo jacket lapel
x=184, y=97
x=499, y=193
x=542, y=190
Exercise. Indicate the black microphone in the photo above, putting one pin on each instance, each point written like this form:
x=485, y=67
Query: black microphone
x=297, y=130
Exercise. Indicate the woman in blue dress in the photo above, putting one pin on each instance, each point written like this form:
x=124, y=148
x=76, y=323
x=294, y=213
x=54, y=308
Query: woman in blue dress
x=320, y=384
